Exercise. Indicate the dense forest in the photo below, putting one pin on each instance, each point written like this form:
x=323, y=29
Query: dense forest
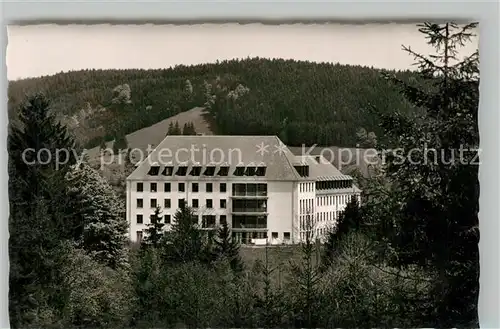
x=407, y=256
x=303, y=102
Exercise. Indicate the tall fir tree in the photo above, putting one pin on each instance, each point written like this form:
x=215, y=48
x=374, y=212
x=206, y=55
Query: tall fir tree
x=185, y=129
x=192, y=129
x=170, y=130
x=105, y=227
x=154, y=231
x=120, y=144
x=306, y=276
x=430, y=218
x=42, y=212
x=350, y=220
x=184, y=240
x=177, y=130
x=228, y=248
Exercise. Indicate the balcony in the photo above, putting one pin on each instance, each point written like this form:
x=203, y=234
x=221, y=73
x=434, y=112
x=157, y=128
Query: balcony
x=249, y=191
x=243, y=196
x=249, y=223
x=251, y=207
x=250, y=211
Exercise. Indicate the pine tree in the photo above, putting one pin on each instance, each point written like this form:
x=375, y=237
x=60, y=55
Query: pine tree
x=170, y=128
x=184, y=240
x=227, y=247
x=306, y=276
x=44, y=178
x=185, y=129
x=192, y=129
x=432, y=215
x=350, y=220
x=154, y=231
x=41, y=211
x=105, y=225
x=177, y=129
x=120, y=144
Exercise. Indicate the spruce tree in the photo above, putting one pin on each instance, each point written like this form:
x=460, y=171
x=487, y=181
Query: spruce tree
x=185, y=129
x=306, y=277
x=105, y=224
x=177, y=129
x=430, y=217
x=184, y=240
x=119, y=144
x=227, y=247
x=41, y=211
x=170, y=130
x=350, y=220
x=154, y=231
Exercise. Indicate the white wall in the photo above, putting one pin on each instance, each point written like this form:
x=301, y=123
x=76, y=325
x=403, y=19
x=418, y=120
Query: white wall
x=174, y=195
x=280, y=207
x=287, y=202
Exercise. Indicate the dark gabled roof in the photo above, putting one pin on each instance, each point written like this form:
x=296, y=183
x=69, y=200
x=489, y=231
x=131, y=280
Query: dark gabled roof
x=220, y=151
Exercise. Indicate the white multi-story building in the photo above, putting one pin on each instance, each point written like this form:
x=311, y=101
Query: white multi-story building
x=254, y=183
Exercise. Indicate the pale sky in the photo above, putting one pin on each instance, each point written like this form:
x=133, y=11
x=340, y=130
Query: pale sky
x=38, y=50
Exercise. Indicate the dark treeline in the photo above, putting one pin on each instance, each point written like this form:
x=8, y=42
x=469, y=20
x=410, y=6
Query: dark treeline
x=407, y=256
x=304, y=102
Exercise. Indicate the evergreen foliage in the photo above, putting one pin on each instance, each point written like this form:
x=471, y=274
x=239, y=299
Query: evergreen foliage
x=105, y=225
x=430, y=217
x=154, y=230
x=406, y=257
x=303, y=102
x=188, y=129
x=226, y=247
x=185, y=242
x=350, y=220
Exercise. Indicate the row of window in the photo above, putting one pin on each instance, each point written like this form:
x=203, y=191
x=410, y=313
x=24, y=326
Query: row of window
x=319, y=233
x=246, y=237
x=242, y=237
x=306, y=187
x=207, y=221
x=306, y=222
x=153, y=187
x=209, y=171
x=306, y=206
x=153, y=203
x=330, y=200
x=337, y=184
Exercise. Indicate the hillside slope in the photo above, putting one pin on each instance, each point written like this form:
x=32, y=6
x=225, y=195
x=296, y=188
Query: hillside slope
x=302, y=102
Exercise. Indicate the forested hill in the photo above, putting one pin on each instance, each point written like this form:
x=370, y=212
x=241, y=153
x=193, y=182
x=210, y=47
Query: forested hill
x=302, y=102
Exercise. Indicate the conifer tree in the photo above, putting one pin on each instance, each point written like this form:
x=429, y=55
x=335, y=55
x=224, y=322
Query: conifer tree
x=42, y=213
x=185, y=129
x=227, y=247
x=119, y=144
x=177, y=129
x=430, y=218
x=350, y=220
x=105, y=225
x=184, y=240
x=154, y=230
x=170, y=128
x=307, y=276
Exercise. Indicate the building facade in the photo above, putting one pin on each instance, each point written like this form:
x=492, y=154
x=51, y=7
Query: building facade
x=254, y=183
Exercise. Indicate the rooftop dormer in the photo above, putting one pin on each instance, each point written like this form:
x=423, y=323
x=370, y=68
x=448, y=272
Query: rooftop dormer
x=154, y=170
x=195, y=171
x=209, y=171
x=182, y=170
x=302, y=170
x=261, y=170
